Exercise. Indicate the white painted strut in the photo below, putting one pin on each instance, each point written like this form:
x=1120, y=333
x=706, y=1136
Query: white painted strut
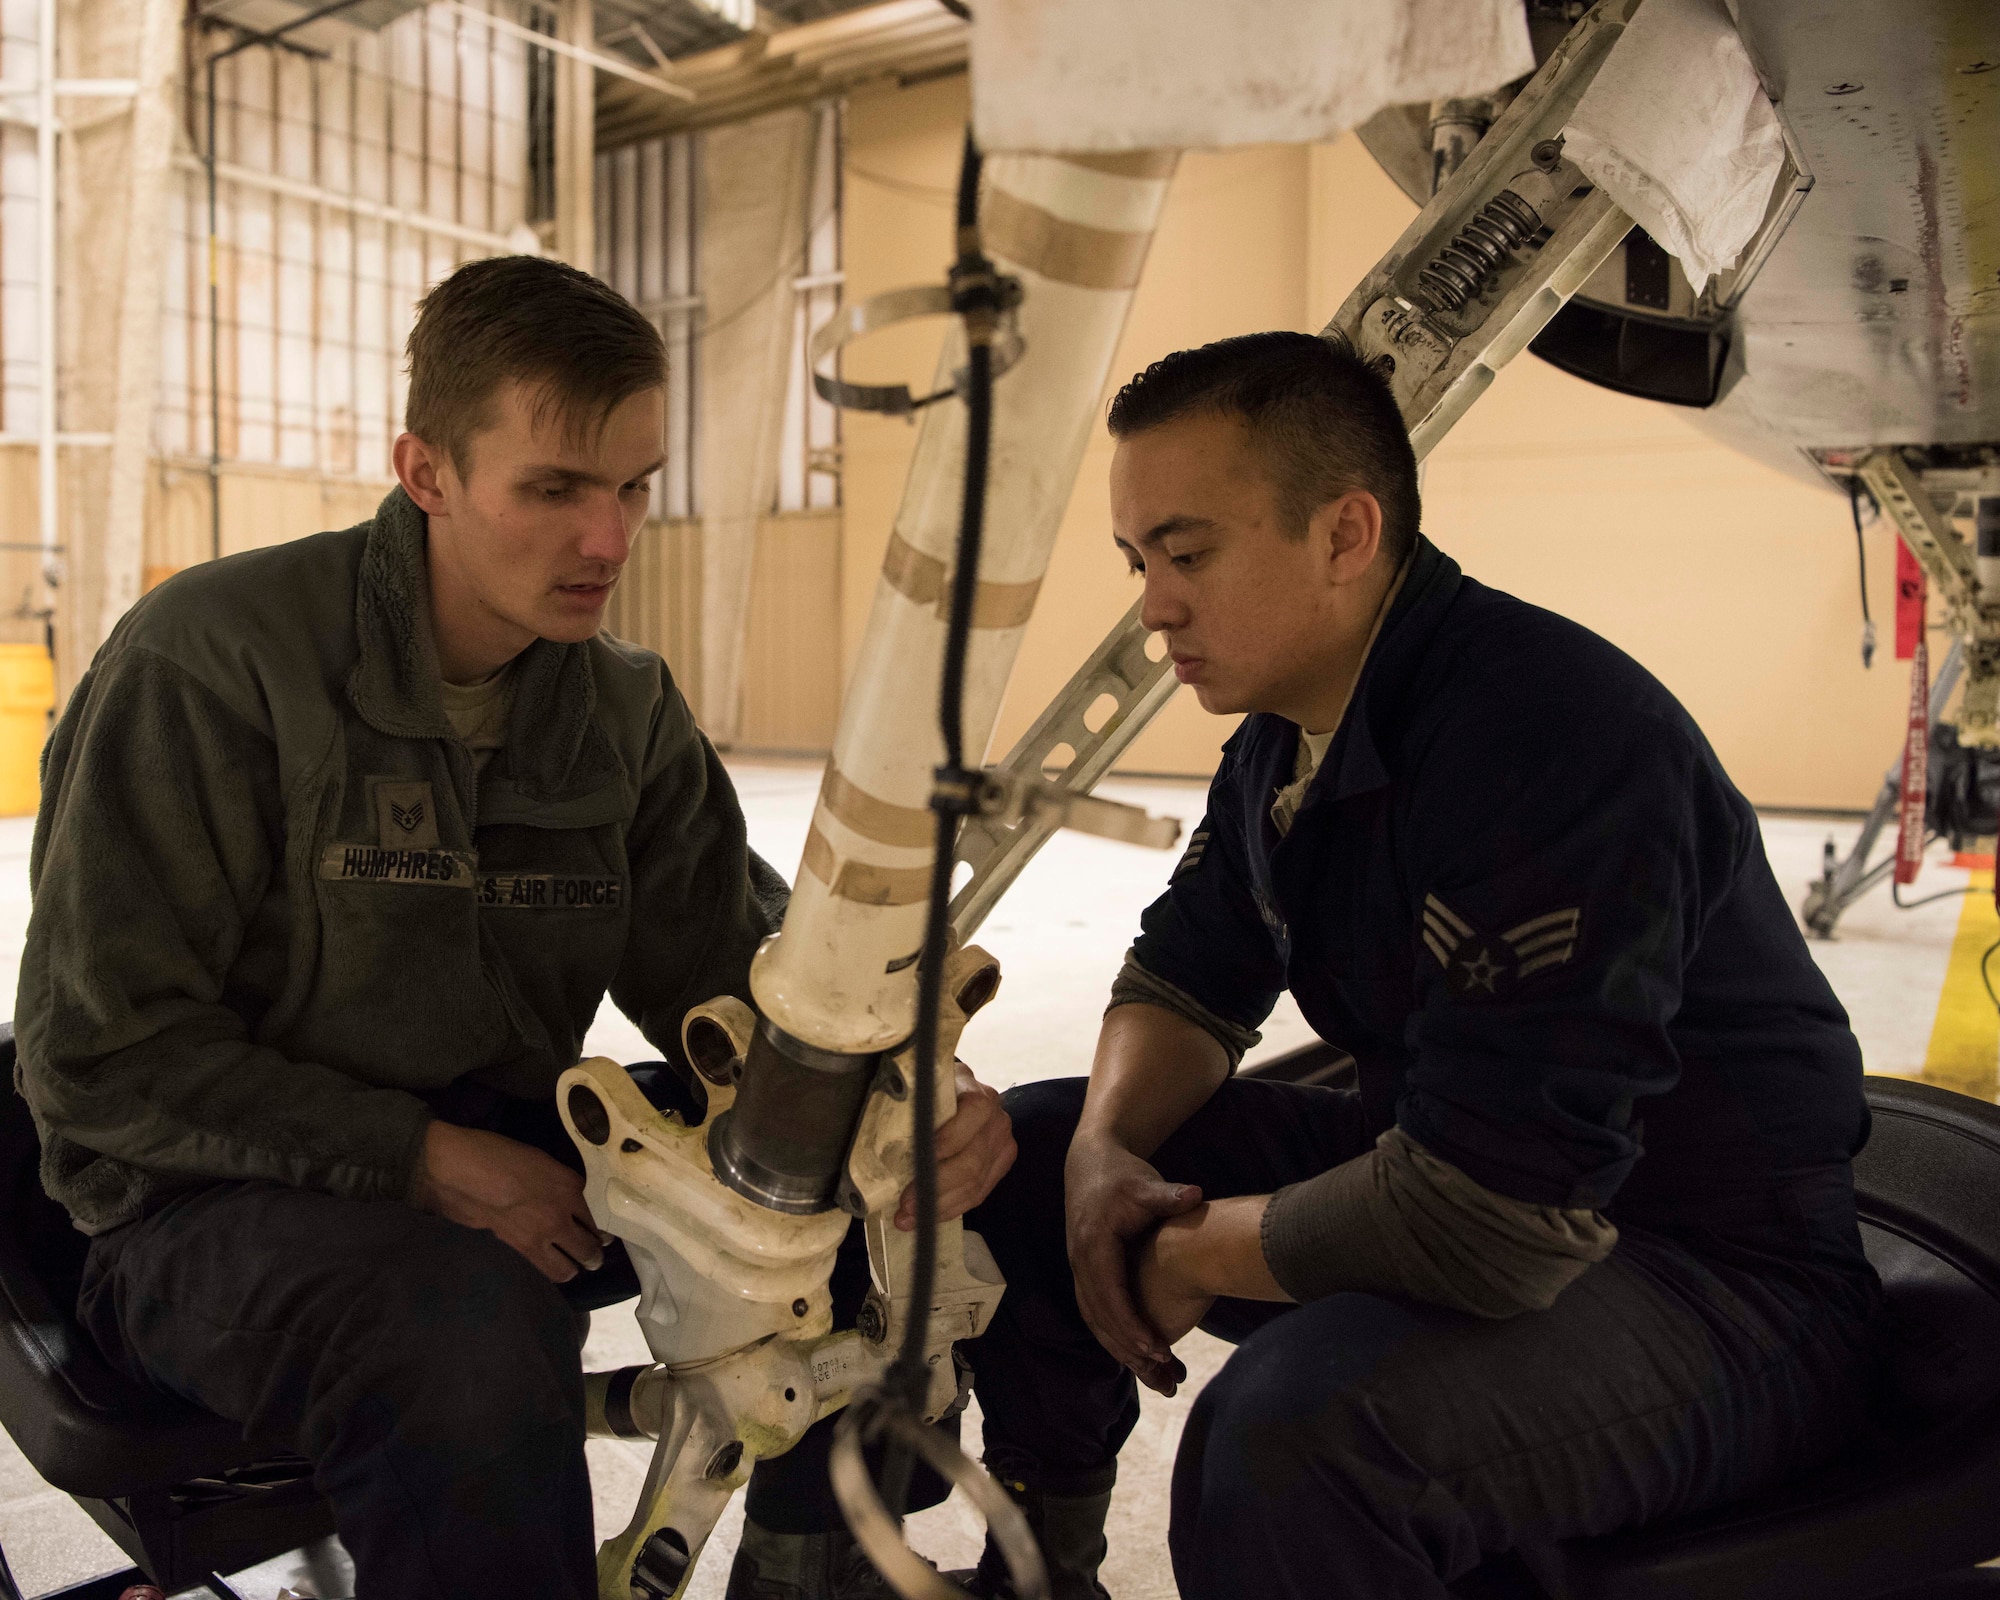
x=841, y=975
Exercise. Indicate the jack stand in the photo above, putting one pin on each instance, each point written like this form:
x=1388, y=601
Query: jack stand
x=1844, y=880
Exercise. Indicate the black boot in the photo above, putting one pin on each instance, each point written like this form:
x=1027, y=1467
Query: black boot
x=1069, y=1527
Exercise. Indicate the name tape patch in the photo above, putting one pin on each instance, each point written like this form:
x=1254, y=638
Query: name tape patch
x=548, y=891
x=459, y=869
x=367, y=863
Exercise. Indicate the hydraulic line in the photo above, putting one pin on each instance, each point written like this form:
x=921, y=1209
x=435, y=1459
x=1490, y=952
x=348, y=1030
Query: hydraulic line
x=976, y=298
x=894, y=1413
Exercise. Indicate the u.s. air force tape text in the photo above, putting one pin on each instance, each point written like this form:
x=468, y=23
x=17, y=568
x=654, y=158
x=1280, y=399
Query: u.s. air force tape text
x=534, y=891
x=459, y=869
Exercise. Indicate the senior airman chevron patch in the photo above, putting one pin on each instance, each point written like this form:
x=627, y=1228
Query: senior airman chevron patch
x=1191, y=857
x=1544, y=941
x=1477, y=965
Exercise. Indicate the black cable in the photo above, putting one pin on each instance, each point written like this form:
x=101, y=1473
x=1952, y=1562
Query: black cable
x=976, y=297
x=1944, y=894
x=1986, y=977
x=1861, y=555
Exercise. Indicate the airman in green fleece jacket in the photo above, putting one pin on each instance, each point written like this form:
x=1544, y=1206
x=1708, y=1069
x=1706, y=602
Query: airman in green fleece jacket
x=276, y=906
x=342, y=843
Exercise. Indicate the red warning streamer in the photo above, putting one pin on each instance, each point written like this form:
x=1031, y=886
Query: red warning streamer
x=1909, y=602
x=1916, y=750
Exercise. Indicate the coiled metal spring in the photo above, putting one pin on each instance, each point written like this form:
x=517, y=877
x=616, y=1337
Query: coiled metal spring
x=1478, y=251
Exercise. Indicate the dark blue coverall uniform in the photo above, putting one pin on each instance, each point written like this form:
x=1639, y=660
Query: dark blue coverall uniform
x=1522, y=892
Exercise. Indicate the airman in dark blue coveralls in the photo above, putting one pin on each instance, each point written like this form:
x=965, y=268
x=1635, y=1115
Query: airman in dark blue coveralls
x=1581, y=1251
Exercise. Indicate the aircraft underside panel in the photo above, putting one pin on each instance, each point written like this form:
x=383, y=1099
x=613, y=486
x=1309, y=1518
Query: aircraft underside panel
x=1875, y=318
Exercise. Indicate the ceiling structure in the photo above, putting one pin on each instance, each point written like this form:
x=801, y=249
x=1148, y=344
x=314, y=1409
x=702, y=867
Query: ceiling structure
x=687, y=27
x=801, y=50
x=797, y=52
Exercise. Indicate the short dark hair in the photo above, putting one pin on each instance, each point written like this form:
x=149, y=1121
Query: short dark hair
x=524, y=319
x=1325, y=422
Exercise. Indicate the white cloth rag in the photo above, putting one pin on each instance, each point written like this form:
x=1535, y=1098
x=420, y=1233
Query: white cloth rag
x=1055, y=75
x=1677, y=129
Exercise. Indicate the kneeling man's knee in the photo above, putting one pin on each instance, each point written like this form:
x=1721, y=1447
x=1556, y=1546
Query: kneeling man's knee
x=1287, y=1459
x=469, y=1338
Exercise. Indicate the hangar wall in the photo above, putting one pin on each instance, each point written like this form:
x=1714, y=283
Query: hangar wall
x=1734, y=584
x=355, y=181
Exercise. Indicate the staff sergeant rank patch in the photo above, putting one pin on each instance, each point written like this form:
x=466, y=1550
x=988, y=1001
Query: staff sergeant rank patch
x=1479, y=966
x=405, y=815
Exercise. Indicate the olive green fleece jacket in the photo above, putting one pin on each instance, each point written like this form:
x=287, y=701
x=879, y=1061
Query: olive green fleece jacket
x=275, y=907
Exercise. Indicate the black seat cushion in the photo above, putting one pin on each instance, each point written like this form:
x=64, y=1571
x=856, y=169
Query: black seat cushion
x=83, y=1426
x=1919, y=1493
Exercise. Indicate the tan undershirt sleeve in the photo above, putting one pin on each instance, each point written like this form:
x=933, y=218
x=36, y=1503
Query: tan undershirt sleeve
x=1399, y=1220
x=1134, y=985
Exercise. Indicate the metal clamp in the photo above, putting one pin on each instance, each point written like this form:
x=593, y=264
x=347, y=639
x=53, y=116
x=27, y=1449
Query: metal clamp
x=880, y=1536
x=1011, y=798
x=885, y=310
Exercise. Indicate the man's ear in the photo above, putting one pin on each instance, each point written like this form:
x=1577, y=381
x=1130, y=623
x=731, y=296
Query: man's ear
x=419, y=469
x=1348, y=530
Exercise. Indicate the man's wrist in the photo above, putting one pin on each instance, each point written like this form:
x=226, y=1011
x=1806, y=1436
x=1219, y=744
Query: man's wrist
x=419, y=1191
x=1218, y=1249
x=1091, y=1141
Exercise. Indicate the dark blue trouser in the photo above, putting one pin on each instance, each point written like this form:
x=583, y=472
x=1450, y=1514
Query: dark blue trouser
x=1363, y=1445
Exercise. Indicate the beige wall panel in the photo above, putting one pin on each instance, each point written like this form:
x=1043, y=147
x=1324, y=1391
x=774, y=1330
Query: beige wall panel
x=896, y=209
x=1229, y=258
x=177, y=533
x=260, y=506
x=18, y=568
x=1732, y=583
x=658, y=601
x=791, y=655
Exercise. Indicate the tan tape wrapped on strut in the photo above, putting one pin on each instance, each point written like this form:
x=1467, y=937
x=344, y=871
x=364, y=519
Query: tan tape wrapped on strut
x=911, y=827
x=863, y=881
x=1125, y=163
x=927, y=581
x=1069, y=252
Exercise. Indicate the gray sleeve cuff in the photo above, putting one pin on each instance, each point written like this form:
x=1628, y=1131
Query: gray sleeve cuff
x=1399, y=1220
x=1134, y=985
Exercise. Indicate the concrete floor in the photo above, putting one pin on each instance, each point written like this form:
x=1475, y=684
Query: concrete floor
x=1060, y=936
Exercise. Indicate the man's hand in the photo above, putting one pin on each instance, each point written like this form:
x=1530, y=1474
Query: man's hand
x=1190, y=1261
x=975, y=1148
x=1170, y=1295
x=1113, y=1199
x=526, y=1199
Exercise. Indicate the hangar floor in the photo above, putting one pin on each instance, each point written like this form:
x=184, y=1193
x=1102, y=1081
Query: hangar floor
x=1905, y=976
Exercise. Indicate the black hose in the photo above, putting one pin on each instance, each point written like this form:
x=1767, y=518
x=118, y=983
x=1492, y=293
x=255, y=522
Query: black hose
x=976, y=298
x=1930, y=899
x=1861, y=555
